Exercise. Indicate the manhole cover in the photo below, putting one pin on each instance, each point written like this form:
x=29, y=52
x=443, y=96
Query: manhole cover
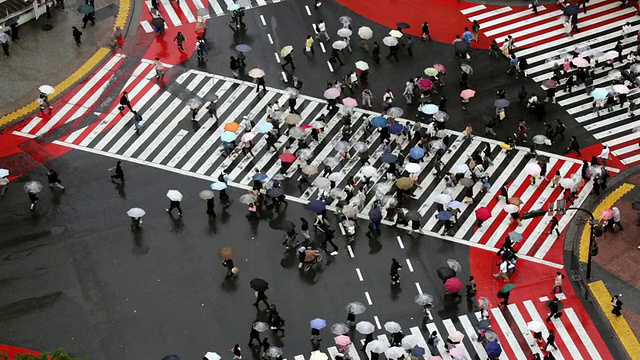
x=47, y=27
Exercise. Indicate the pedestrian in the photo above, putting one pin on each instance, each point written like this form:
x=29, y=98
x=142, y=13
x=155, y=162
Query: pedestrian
x=308, y=45
x=425, y=31
x=321, y=28
x=604, y=155
x=14, y=30
x=387, y=99
x=43, y=99
x=335, y=55
x=468, y=132
x=554, y=224
x=54, y=180
x=4, y=185
x=119, y=173
x=124, y=101
x=533, y=4
x=5, y=48
x=33, y=197
x=614, y=221
x=210, y=210
x=254, y=335
x=329, y=234
x=574, y=146
x=260, y=82
x=261, y=296
x=159, y=69
x=394, y=272
x=212, y=110
x=137, y=121
x=551, y=340
x=317, y=4
x=234, y=66
x=393, y=52
x=288, y=60
x=432, y=343
x=179, y=39
x=554, y=309
x=232, y=270
x=476, y=29
x=467, y=36
x=557, y=284
x=174, y=204
x=617, y=305
x=237, y=352
x=502, y=271
x=471, y=293
x=408, y=92
x=574, y=23
x=304, y=228
x=89, y=17
x=504, y=295
x=367, y=96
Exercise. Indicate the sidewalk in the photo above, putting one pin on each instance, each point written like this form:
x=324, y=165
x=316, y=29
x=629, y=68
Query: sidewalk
x=46, y=53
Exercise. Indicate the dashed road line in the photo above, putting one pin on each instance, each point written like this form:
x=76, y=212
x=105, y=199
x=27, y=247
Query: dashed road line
x=366, y=294
x=359, y=274
x=400, y=242
x=409, y=265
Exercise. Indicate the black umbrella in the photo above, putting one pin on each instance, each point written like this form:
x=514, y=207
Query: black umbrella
x=445, y=273
x=86, y=9
x=13, y=20
x=542, y=159
x=572, y=10
x=172, y=357
x=403, y=25
x=560, y=304
x=413, y=215
x=274, y=192
x=484, y=324
x=460, y=46
x=158, y=23
x=258, y=284
x=466, y=182
x=285, y=225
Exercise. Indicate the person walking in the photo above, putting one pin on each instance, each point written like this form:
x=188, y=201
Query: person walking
x=179, y=39
x=394, y=272
x=137, y=121
x=237, y=352
x=617, y=305
x=426, y=33
x=5, y=48
x=254, y=335
x=234, y=65
x=173, y=204
x=119, y=173
x=231, y=268
x=308, y=45
x=261, y=296
x=210, y=209
x=33, y=197
x=387, y=99
x=375, y=52
x=43, y=99
x=557, y=287
x=54, y=180
x=329, y=234
x=367, y=96
x=574, y=146
x=502, y=271
x=212, y=110
x=551, y=340
x=335, y=55
x=304, y=228
x=124, y=101
x=432, y=343
x=554, y=309
x=476, y=29
x=615, y=221
x=77, y=35
x=471, y=293
x=159, y=69
x=604, y=155
x=322, y=31
x=554, y=224
x=88, y=17
x=261, y=82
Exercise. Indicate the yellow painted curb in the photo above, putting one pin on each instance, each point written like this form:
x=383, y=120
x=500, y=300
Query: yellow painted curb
x=618, y=323
x=123, y=14
x=607, y=203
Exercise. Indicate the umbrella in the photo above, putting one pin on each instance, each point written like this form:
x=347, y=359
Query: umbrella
x=260, y=326
x=392, y=327
x=339, y=45
x=332, y=93
x=136, y=213
x=310, y=169
x=460, y=168
x=318, y=124
x=442, y=198
x=493, y=349
x=279, y=224
x=610, y=55
x=243, y=48
x=567, y=183
x=483, y=213
x=417, y=351
x=233, y=7
x=533, y=168
x=490, y=335
x=202, y=11
x=572, y=9
x=423, y=299
x=483, y=324
x=206, y=194
x=635, y=68
x=274, y=351
x=158, y=22
x=316, y=206
x=390, y=41
x=248, y=199
x=360, y=147
x=600, y=93
x=350, y=211
x=194, y=103
x=350, y=102
x=416, y=153
x=361, y=65
x=287, y=157
x=467, y=94
x=379, y=122
x=339, y=328
x=515, y=236
x=260, y=176
x=594, y=170
x=227, y=253
x=412, y=168
x=580, y=62
x=457, y=352
x=431, y=71
x=413, y=215
x=375, y=215
x=410, y=341
x=47, y=89
x=342, y=340
x=453, y=285
x=460, y=46
x=318, y=323
x=323, y=183
x=396, y=33
x=228, y=136
x=86, y=9
x=445, y=215
x=305, y=154
x=377, y=346
x=292, y=92
x=365, y=33
x=232, y=126
x=466, y=182
x=246, y=137
x=607, y=214
x=356, y=308
x=33, y=187
x=345, y=32
x=11, y=21
x=368, y=171
x=293, y=119
x=211, y=356
x=535, y=326
x=344, y=20
x=318, y=355
x=338, y=194
x=441, y=116
x=286, y=50
x=441, y=68
x=389, y=158
x=456, y=336
x=428, y=109
x=256, y=73
x=510, y=208
x=218, y=186
x=174, y=195
x=621, y=89
x=455, y=265
x=4, y=173
x=445, y=273
x=550, y=83
x=404, y=183
x=403, y=25
x=365, y=327
x=501, y=103
x=297, y=132
x=425, y=84
x=395, y=112
x=540, y=140
x=507, y=288
x=467, y=69
x=454, y=204
x=265, y=127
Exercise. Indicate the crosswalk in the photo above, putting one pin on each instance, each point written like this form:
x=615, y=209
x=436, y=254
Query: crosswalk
x=540, y=39
x=170, y=140
x=511, y=325
x=181, y=12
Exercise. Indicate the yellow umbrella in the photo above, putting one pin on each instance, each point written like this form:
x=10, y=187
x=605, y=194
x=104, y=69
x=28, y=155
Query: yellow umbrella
x=286, y=50
x=404, y=183
x=395, y=33
x=505, y=146
x=232, y=126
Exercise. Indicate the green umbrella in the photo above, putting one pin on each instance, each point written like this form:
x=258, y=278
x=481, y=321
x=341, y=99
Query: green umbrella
x=507, y=288
x=431, y=71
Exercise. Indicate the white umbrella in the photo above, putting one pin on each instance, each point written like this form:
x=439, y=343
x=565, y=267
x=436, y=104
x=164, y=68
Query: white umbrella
x=260, y=326
x=350, y=211
x=194, y=103
x=345, y=32
x=246, y=137
x=442, y=199
x=256, y=73
x=212, y=356
x=341, y=145
x=206, y=194
x=293, y=93
x=336, y=176
x=4, y=173
x=318, y=124
x=365, y=327
x=392, y=326
x=339, y=328
x=274, y=351
x=356, y=308
x=360, y=147
x=395, y=112
x=533, y=169
x=174, y=195
x=365, y=33
x=368, y=171
x=136, y=212
x=318, y=355
x=338, y=194
x=621, y=89
x=298, y=133
x=248, y=199
x=455, y=205
x=305, y=154
x=331, y=162
x=390, y=41
x=344, y=20
x=567, y=183
x=454, y=265
x=394, y=352
x=412, y=168
x=535, y=326
x=510, y=208
x=611, y=55
x=423, y=299
x=339, y=45
x=33, y=187
x=377, y=346
x=460, y=168
x=410, y=341
x=47, y=89
x=322, y=183
x=286, y=50
x=395, y=33
x=541, y=140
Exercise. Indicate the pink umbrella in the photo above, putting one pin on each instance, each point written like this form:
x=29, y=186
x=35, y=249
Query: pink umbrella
x=580, y=62
x=342, y=340
x=350, y=102
x=607, y=214
x=432, y=357
x=467, y=94
x=287, y=157
x=457, y=352
x=305, y=127
x=246, y=137
x=332, y=93
x=453, y=285
x=483, y=213
x=440, y=68
x=425, y=84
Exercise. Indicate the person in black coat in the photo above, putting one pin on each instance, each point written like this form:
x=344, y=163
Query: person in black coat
x=210, y=211
x=375, y=52
x=261, y=296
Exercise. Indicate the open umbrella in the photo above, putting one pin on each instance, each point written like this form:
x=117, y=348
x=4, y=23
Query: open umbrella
x=265, y=127
x=410, y=341
x=377, y=347
x=456, y=337
x=338, y=194
x=621, y=89
x=490, y=335
x=441, y=68
x=442, y=198
x=286, y=50
x=428, y=109
x=365, y=327
x=396, y=33
x=550, y=84
x=194, y=103
x=483, y=324
x=431, y=71
x=467, y=94
x=467, y=69
x=287, y=157
x=361, y=65
x=567, y=183
x=344, y=20
x=293, y=119
x=342, y=340
x=600, y=93
x=350, y=211
x=423, y=299
x=309, y=169
x=413, y=215
x=389, y=158
x=243, y=48
x=228, y=136
x=332, y=93
x=174, y=195
x=318, y=323
x=501, y=103
x=206, y=194
x=395, y=112
x=4, y=173
x=344, y=32
x=533, y=168
x=232, y=126
x=274, y=352
x=412, y=168
x=535, y=326
x=392, y=327
x=515, y=236
x=365, y=33
x=318, y=355
x=607, y=214
x=356, y=308
x=158, y=23
x=548, y=304
x=580, y=62
x=339, y=328
x=445, y=273
x=274, y=192
x=404, y=183
x=457, y=352
x=466, y=182
x=375, y=215
x=403, y=25
x=483, y=213
x=339, y=45
x=350, y=102
x=305, y=154
x=493, y=349
x=260, y=326
x=445, y=215
x=425, y=84
x=379, y=122
x=541, y=140
x=316, y=206
x=208, y=356
x=460, y=168
x=256, y=73
x=507, y=288
x=233, y=7
x=390, y=41
x=510, y=208
x=248, y=199
x=136, y=213
x=455, y=265
x=323, y=183
x=86, y=9
x=218, y=186
x=368, y=171
x=453, y=285
x=227, y=253
x=572, y=9
x=47, y=89
x=33, y=187
x=416, y=153
x=298, y=132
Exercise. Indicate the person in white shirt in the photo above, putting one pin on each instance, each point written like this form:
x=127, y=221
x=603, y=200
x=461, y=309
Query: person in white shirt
x=322, y=31
x=605, y=154
x=503, y=271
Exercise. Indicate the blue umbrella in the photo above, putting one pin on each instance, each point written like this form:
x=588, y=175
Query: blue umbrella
x=228, y=136
x=260, y=176
x=379, y=121
x=243, y=48
x=501, y=103
x=172, y=357
x=493, y=349
x=265, y=127
x=572, y=10
x=233, y=7
x=445, y=215
x=428, y=109
x=600, y=93
x=416, y=153
x=218, y=186
x=417, y=351
x=389, y=158
x=318, y=323
x=317, y=206
x=375, y=215
x=396, y=128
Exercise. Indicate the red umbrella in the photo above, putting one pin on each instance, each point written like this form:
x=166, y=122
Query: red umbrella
x=453, y=285
x=607, y=214
x=287, y=157
x=305, y=127
x=425, y=84
x=483, y=213
x=440, y=68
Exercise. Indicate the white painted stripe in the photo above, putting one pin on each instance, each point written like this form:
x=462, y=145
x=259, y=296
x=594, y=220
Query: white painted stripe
x=522, y=326
x=366, y=294
x=298, y=357
x=359, y=274
x=168, y=8
x=562, y=332
x=377, y=321
x=330, y=66
x=400, y=242
x=146, y=26
x=32, y=124
x=415, y=331
x=491, y=13
x=229, y=3
x=154, y=121
x=308, y=10
x=166, y=131
x=83, y=110
x=261, y=2
x=277, y=57
x=613, y=131
x=409, y=266
x=473, y=9
x=216, y=7
x=631, y=160
x=622, y=139
x=520, y=24
x=451, y=329
x=175, y=140
x=473, y=336
x=187, y=12
x=508, y=335
x=535, y=316
x=270, y=39
x=200, y=5
x=419, y=288
x=582, y=333
x=621, y=152
x=441, y=349
x=264, y=23
x=350, y=249
x=324, y=50
x=511, y=17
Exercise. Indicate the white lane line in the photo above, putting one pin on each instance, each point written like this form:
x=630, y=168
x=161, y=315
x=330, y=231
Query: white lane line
x=409, y=266
x=508, y=334
x=277, y=57
x=264, y=22
x=284, y=77
x=400, y=243
x=582, y=333
x=419, y=288
x=491, y=13
x=350, y=251
x=322, y=47
x=359, y=274
x=308, y=10
x=473, y=9
x=378, y=325
x=341, y=229
x=270, y=39
x=330, y=66
x=366, y=293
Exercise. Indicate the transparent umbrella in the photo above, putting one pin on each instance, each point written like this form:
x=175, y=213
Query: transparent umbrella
x=310, y=169
x=260, y=326
x=394, y=352
x=392, y=326
x=206, y=194
x=410, y=341
x=292, y=92
x=298, y=133
x=360, y=147
x=350, y=211
x=356, y=308
x=338, y=194
x=274, y=351
x=541, y=140
x=322, y=183
x=377, y=347
x=336, y=176
x=368, y=171
x=339, y=328
x=331, y=162
x=305, y=154
x=341, y=145
x=423, y=299
x=395, y=112
x=248, y=199
x=454, y=265
x=33, y=187
x=365, y=33
x=194, y=103
x=365, y=327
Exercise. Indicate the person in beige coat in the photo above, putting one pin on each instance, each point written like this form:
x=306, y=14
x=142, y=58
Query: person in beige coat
x=557, y=287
